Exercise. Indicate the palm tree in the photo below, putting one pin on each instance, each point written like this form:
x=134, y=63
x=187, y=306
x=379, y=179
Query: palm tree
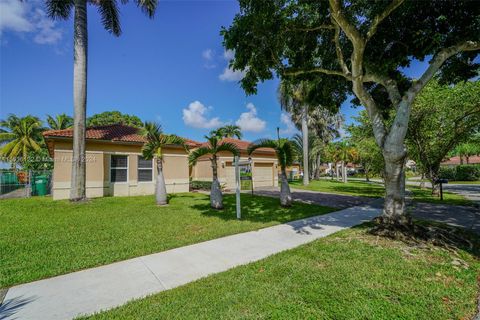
x=21, y=137
x=60, y=122
x=108, y=9
x=153, y=149
x=214, y=147
x=228, y=131
x=346, y=153
x=285, y=154
x=292, y=99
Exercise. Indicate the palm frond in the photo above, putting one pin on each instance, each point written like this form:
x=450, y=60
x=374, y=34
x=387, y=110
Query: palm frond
x=262, y=143
x=229, y=147
x=198, y=153
x=147, y=6
x=7, y=136
x=173, y=139
x=110, y=16
x=149, y=150
x=59, y=9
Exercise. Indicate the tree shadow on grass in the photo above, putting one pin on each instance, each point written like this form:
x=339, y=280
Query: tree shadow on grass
x=260, y=209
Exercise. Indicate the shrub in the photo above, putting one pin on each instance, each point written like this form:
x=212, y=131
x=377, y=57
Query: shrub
x=467, y=173
x=460, y=173
x=447, y=173
x=200, y=185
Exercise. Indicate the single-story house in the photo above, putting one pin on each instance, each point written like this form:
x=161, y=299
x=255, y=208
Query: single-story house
x=114, y=163
x=115, y=166
x=263, y=166
x=455, y=161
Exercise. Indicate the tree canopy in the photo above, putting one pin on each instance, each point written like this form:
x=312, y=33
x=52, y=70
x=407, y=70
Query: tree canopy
x=442, y=117
x=114, y=117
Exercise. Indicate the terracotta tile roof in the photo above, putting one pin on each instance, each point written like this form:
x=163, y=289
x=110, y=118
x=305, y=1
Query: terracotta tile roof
x=114, y=132
x=242, y=145
x=456, y=160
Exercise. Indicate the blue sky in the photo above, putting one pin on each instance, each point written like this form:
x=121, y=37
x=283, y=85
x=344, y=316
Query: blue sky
x=172, y=69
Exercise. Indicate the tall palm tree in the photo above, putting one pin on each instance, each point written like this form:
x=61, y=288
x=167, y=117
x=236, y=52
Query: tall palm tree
x=109, y=12
x=60, y=121
x=153, y=149
x=20, y=136
x=292, y=98
x=285, y=154
x=214, y=147
x=228, y=131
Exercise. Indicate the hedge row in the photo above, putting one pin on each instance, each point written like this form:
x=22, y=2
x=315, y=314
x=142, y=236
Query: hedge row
x=460, y=173
x=200, y=185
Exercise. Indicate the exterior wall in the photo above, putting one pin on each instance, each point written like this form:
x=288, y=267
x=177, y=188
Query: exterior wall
x=203, y=170
x=98, y=183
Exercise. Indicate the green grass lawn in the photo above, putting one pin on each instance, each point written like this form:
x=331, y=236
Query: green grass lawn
x=349, y=275
x=376, y=190
x=41, y=238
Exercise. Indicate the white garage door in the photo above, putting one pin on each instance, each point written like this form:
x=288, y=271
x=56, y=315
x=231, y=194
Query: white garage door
x=263, y=174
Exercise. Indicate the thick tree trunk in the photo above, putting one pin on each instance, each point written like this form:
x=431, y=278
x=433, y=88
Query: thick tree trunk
x=344, y=172
x=77, y=191
x=337, y=170
x=305, y=145
x=422, y=182
x=367, y=178
x=216, y=197
x=160, y=188
x=394, y=207
x=285, y=194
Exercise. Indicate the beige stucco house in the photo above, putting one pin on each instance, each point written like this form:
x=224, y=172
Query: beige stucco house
x=264, y=166
x=115, y=166
x=114, y=163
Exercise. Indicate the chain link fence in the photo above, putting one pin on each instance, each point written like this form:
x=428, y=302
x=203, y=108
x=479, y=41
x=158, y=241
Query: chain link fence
x=24, y=183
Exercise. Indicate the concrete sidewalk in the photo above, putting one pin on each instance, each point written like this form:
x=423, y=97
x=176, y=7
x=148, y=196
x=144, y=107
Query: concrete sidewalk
x=92, y=290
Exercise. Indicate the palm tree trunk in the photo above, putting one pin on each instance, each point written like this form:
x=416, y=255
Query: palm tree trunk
x=305, y=145
x=216, y=197
x=77, y=191
x=337, y=170
x=160, y=188
x=344, y=172
x=285, y=194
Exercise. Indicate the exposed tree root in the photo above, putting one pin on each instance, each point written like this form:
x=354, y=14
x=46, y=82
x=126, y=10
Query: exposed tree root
x=419, y=235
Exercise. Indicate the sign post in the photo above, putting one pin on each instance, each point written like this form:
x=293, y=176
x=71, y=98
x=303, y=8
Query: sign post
x=237, y=185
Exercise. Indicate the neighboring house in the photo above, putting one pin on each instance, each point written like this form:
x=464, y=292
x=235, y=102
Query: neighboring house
x=114, y=163
x=294, y=171
x=264, y=166
x=455, y=161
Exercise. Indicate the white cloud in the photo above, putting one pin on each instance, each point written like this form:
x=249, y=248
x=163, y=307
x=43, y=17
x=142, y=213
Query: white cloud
x=13, y=16
x=23, y=17
x=249, y=121
x=231, y=75
x=208, y=56
x=228, y=73
x=228, y=55
x=286, y=120
x=195, y=116
x=47, y=34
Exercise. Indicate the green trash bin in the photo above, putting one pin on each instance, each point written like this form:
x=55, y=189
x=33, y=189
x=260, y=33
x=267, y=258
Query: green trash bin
x=40, y=185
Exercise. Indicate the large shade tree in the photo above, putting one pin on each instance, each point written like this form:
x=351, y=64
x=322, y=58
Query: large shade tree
x=114, y=117
x=110, y=17
x=364, y=44
x=156, y=141
x=435, y=129
x=215, y=147
x=284, y=150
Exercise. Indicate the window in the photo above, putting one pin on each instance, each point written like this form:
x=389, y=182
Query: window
x=145, y=170
x=118, y=168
